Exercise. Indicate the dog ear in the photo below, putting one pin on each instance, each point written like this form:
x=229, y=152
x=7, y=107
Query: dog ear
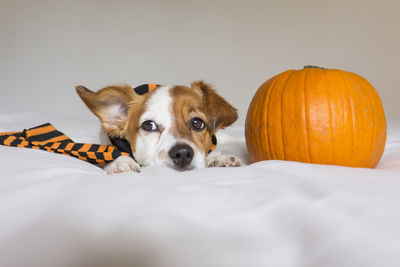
x=220, y=113
x=110, y=105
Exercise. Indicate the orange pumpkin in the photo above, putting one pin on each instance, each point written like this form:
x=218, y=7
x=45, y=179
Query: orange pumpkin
x=316, y=115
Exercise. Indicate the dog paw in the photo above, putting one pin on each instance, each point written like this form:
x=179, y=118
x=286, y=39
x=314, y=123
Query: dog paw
x=223, y=161
x=122, y=164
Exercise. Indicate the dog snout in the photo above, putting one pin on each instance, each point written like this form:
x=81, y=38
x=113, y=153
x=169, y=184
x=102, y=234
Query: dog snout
x=181, y=155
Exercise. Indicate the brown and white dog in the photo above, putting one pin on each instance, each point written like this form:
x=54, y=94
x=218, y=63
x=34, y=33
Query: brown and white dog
x=169, y=126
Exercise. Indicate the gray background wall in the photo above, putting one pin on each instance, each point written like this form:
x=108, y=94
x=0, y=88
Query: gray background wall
x=48, y=47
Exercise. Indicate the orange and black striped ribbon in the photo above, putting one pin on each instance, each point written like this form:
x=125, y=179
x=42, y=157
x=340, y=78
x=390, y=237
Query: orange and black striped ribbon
x=48, y=138
x=145, y=88
x=213, y=143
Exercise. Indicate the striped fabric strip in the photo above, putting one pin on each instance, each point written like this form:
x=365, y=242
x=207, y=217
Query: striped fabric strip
x=213, y=143
x=48, y=138
x=145, y=88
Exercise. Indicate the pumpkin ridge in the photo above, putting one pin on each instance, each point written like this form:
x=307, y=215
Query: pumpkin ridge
x=282, y=128
x=331, y=136
x=332, y=152
x=265, y=116
x=282, y=132
x=269, y=92
x=350, y=98
x=306, y=116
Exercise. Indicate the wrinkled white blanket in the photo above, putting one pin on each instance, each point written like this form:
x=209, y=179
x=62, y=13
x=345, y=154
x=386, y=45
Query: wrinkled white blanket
x=59, y=211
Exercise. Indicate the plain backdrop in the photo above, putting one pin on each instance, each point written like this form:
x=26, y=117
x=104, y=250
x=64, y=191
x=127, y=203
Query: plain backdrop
x=48, y=47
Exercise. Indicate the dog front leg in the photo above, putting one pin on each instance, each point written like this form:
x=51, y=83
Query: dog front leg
x=122, y=164
x=216, y=159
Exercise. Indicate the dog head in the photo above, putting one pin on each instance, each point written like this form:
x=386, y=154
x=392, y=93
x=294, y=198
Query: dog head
x=168, y=126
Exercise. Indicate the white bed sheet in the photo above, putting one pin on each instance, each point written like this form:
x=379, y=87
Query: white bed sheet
x=60, y=211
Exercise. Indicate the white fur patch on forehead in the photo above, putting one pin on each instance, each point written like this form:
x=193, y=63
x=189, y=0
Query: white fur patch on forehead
x=158, y=107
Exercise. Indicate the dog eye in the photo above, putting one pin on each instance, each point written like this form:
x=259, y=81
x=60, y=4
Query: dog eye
x=198, y=124
x=149, y=126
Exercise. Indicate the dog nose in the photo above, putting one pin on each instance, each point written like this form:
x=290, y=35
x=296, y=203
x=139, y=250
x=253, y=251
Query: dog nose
x=181, y=155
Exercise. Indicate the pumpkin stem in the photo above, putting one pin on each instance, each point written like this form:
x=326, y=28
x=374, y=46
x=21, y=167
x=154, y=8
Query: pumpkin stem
x=314, y=67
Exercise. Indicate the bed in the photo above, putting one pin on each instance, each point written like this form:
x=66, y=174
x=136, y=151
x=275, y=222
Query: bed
x=60, y=211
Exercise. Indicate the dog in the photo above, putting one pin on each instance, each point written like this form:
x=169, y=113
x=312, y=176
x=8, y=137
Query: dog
x=170, y=126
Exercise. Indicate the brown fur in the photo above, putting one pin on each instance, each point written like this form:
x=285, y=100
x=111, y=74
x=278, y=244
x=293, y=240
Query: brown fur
x=220, y=113
x=136, y=108
x=126, y=126
x=187, y=104
x=200, y=101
